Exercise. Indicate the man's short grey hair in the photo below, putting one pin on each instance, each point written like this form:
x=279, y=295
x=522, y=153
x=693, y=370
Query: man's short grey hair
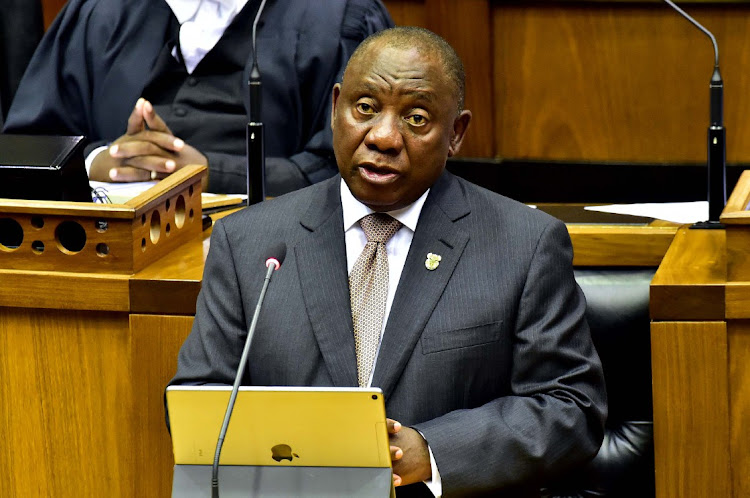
x=424, y=40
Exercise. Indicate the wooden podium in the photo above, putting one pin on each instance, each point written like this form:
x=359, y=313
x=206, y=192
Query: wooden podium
x=82, y=347
x=700, y=335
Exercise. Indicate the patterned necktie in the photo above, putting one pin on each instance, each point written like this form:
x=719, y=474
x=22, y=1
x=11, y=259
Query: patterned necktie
x=368, y=290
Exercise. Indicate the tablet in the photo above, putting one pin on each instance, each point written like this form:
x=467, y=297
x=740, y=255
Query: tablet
x=280, y=426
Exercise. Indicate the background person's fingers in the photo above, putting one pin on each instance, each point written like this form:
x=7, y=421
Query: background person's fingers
x=159, y=164
x=137, y=148
x=129, y=174
x=153, y=120
x=136, y=122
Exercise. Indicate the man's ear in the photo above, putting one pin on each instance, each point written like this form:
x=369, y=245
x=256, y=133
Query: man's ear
x=334, y=98
x=460, y=125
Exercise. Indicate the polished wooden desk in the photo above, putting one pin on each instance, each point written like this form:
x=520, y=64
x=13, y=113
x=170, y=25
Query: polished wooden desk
x=700, y=346
x=84, y=359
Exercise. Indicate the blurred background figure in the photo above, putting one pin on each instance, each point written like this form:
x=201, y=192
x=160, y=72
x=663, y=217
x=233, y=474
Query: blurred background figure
x=159, y=84
x=21, y=28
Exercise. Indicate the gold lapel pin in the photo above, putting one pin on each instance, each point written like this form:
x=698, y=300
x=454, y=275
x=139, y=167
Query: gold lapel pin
x=432, y=261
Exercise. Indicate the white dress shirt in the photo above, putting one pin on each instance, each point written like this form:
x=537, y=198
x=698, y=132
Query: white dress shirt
x=397, y=248
x=202, y=24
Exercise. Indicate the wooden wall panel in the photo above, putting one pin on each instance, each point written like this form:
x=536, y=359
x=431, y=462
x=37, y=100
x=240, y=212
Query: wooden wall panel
x=50, y=8
x=616, y=82
x=407, y=12
x=467, y=26
x=604, y=81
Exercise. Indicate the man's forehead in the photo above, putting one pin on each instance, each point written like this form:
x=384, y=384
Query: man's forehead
x=382, y=50
x=408, y=65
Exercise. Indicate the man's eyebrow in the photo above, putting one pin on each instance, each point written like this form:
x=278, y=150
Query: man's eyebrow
x=366, y=86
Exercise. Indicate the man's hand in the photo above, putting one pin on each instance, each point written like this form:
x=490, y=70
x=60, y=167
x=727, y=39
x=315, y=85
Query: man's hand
x=147, y=151
x=409, y=455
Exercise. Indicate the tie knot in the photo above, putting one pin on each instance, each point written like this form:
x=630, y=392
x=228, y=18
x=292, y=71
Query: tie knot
x=379, y=227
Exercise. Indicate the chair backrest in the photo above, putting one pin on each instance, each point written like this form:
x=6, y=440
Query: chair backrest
x=617, y=309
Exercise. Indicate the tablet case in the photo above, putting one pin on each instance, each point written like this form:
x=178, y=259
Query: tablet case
x=281, y=441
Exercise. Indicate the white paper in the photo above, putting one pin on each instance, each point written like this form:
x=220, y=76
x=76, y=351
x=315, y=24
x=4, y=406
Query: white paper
x=119, y=193
x=677, y=212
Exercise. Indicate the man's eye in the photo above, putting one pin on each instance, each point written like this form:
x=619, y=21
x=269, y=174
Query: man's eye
x=365, y=108
x=416, y=120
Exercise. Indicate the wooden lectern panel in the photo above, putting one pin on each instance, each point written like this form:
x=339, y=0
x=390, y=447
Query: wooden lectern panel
x=66, y=398
x=690, y=281
x=691, y=409
x=739, y=410
x=156, y=340
x=63, y=290
x=700, y=310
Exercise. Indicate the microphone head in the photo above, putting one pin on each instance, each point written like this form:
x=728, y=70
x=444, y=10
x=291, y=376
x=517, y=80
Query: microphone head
x=279, y=253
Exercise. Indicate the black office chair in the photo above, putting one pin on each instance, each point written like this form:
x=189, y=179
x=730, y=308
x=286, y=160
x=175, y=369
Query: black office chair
x=618, y=314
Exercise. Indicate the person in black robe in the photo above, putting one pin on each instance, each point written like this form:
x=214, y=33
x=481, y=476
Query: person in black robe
x=100, y=57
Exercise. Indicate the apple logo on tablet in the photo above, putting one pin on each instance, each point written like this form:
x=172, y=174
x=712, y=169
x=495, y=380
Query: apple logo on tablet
x=283, y=452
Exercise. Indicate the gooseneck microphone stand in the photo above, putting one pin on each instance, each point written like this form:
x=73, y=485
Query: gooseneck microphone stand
x=256, y=157
x=273, y=263
x=717, y=149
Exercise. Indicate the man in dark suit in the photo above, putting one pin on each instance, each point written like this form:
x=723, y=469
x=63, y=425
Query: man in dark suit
x=485, y=358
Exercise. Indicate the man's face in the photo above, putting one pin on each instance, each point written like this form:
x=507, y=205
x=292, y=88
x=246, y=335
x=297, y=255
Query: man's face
x=395, y=122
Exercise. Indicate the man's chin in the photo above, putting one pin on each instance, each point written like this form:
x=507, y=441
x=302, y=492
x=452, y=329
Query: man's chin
x=376, y=196
x=374, y=199
x=381, y=203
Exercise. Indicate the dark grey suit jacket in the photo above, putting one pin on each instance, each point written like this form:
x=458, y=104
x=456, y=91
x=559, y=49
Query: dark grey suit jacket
x=489, y=355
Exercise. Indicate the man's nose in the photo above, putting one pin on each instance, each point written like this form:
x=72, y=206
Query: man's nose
x=385, y=134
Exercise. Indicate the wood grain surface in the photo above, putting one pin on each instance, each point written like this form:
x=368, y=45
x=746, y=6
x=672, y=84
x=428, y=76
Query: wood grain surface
x=67, y=404
x=739, y=410
x=690, y=283
x=691, y=409
x=155, y=340
x=623, y=245
x=595, y=81
x=701, y=378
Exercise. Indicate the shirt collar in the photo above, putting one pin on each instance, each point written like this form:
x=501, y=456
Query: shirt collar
x=355, y=210
x=185, y=10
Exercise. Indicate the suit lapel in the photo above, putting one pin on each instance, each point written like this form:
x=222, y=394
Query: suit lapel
x=419, y=289
x=321, y=264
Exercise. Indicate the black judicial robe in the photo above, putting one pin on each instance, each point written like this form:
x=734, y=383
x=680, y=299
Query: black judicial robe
x=95, y=59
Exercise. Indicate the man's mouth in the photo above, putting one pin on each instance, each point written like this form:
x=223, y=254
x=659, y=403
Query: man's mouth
x=377, y=174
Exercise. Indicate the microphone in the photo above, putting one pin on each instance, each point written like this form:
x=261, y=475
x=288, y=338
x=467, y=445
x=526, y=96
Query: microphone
x=717, y=149
x=273, y=263
x=256, y=157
